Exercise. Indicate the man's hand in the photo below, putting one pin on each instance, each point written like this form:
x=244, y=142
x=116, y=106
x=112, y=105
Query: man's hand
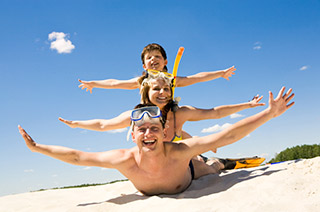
x=29, y=141
x=228, y=72
x=86, y=85
x=280, y=104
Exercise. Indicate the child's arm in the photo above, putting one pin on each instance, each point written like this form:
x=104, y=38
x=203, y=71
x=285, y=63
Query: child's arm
x=204, y=77
x=109, y=84
x=196, y=114
x=121, y=121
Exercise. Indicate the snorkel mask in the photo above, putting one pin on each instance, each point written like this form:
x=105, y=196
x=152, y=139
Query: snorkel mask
x=145, y=114
x=139, y=114
x=154, y=74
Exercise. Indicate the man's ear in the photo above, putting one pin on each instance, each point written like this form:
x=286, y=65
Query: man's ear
x=144, y=66
x=133, y=137
x=166, y=125
x=165, y=130
x=165, y=62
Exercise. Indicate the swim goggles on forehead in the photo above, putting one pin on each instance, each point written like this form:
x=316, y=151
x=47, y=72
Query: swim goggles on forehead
x=156, y=73
x=151, y=111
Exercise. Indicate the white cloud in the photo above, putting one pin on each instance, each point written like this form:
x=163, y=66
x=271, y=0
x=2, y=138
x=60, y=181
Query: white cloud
x=60, y=42
x=28, y=170
x=215, y=128
x=118, y=130
x=257, y=45
x=236, y=115
x=303, y=68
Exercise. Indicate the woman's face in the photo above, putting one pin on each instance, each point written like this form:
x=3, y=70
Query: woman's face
x=159, y=93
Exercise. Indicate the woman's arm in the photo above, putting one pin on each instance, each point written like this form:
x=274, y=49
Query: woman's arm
x=196, y=114
x=121, y=121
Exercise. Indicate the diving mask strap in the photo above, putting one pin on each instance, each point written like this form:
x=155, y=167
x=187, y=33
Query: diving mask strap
x=129, y=131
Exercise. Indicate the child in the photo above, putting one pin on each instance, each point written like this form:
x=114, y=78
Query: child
x=154, y=57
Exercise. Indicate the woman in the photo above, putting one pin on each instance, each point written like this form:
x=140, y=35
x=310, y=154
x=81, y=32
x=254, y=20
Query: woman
x=157, y=90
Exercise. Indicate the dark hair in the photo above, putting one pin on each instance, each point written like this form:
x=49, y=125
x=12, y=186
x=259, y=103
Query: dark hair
x=152, y=47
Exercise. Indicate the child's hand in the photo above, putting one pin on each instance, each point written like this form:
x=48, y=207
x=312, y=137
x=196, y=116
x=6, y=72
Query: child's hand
x=228, y=72
x=69, y=123
x=255, y=101
x=86, y=85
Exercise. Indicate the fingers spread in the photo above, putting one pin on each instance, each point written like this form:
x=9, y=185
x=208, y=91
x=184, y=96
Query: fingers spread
x=288, y=93
x=270, y=95
x=290, y=97
x=281, y=92
x=290, y=105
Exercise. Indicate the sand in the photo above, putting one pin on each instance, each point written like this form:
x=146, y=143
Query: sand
x=289, y=186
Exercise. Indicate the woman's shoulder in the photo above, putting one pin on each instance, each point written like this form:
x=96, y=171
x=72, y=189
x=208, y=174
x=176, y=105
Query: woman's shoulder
x=185, y=108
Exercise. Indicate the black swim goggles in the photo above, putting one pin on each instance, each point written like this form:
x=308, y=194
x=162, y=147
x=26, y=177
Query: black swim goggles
x=151, y=111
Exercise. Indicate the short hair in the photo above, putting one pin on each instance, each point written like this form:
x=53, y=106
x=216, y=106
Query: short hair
x=152, y=47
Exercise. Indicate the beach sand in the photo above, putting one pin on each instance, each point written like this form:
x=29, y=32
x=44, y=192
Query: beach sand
x=289, y=186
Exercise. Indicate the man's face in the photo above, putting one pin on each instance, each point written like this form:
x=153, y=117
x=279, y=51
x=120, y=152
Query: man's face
x=154, y=60
x=148, y=135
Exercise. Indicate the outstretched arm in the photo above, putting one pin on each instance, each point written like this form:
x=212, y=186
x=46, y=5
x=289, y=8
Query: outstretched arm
x=242, y=128
x=109, y=84
x=196, y=114
x=205, y=76
x=121, y=121
x=109, y=159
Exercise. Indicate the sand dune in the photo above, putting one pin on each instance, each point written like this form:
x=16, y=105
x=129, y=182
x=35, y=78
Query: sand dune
x=289, y=186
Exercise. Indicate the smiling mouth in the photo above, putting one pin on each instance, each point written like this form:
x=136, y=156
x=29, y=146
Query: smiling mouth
x=154, y=65
x=149, y=142
x=162, y=98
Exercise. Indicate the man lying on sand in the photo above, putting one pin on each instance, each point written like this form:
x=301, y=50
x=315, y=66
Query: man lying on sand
x=157, y=167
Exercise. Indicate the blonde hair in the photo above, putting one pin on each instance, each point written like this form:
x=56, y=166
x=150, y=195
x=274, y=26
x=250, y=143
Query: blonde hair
x=146, y=86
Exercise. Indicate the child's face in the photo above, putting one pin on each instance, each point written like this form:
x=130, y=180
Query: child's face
x=154, y=60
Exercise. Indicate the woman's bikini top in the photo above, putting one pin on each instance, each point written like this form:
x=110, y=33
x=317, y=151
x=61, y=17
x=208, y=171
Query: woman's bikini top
x=175, y=138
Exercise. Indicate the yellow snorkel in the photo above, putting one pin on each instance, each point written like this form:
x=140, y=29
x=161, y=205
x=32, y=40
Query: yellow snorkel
x=175, y=69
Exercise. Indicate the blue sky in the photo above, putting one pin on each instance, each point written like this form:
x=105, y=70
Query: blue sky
x=272, y=43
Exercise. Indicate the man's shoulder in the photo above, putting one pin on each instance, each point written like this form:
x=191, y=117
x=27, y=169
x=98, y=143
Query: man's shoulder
x=175, y=148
